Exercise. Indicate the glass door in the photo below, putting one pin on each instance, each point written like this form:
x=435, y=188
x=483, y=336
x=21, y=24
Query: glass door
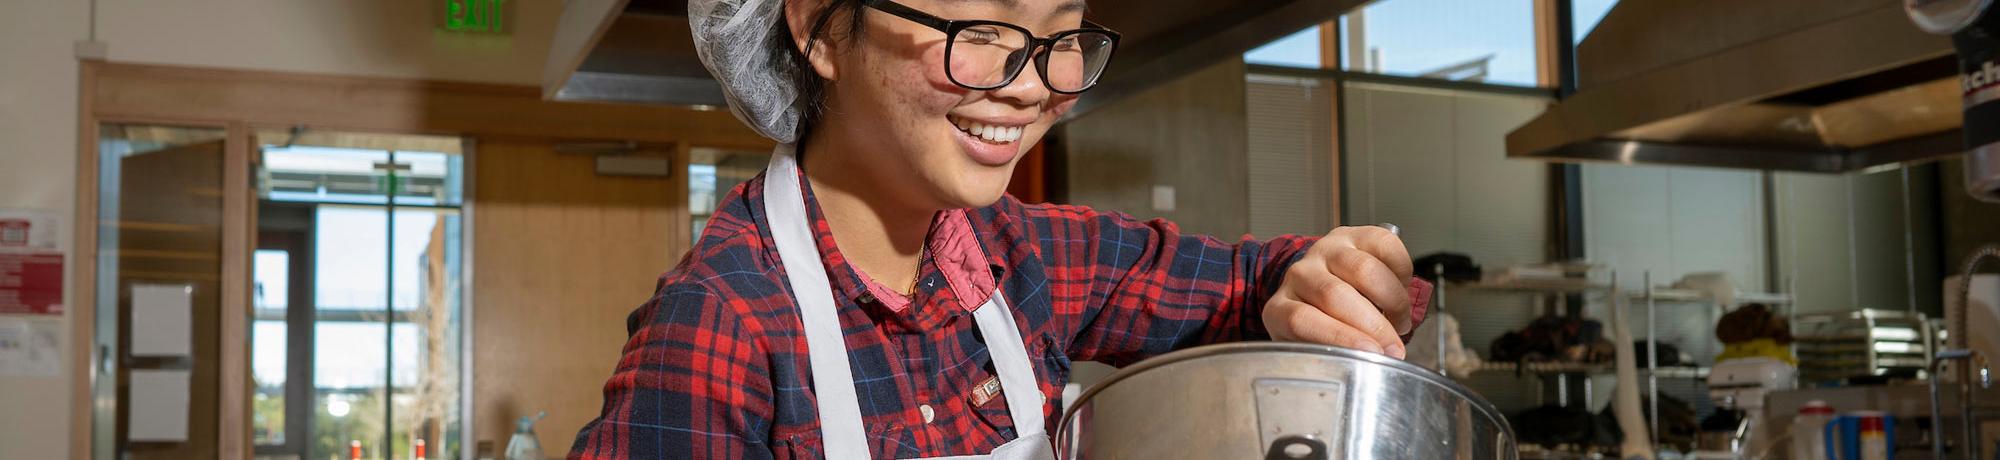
x=158, y=290
x=712, y=174
x=358, y=331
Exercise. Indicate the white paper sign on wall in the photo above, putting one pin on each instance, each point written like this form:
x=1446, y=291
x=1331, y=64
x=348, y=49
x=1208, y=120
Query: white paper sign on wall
x=162, y=319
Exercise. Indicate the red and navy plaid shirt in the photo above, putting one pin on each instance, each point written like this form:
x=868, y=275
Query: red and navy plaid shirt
x=716, y=364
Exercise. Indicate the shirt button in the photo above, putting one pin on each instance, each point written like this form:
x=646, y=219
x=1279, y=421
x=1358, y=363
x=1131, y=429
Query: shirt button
x=929, y=414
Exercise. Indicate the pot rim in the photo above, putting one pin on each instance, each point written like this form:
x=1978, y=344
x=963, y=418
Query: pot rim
x=1206, y=351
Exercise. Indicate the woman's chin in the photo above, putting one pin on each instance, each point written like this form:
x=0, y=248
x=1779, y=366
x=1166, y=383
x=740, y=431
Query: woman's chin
x=973, y=191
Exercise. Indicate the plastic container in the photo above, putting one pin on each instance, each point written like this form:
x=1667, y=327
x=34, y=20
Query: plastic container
x=1861, y=435
x=1874, y=439
x=524, y=445
x=1808, y=431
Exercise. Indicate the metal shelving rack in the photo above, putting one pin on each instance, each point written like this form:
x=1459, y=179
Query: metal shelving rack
x=1685, y=372
x=1651, y=295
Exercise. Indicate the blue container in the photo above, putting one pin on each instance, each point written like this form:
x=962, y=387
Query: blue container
x=1843, y=435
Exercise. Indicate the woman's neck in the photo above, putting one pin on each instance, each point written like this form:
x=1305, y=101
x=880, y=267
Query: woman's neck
x=878, y=231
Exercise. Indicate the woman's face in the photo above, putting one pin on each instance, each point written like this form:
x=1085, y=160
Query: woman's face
x=912, y=129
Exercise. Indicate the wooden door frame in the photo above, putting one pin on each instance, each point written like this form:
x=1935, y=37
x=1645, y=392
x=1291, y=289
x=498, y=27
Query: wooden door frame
x=232, y=361
x=238, y=101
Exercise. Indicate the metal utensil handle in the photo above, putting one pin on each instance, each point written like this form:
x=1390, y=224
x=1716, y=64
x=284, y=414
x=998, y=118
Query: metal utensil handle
x=1280, y=449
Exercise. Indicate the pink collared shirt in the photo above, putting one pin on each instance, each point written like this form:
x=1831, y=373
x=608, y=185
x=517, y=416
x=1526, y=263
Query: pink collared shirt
x=954, y=248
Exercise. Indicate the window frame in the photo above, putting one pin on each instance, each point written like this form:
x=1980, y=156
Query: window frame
x=298, y=340
x=304, y=313
x=1551, y=30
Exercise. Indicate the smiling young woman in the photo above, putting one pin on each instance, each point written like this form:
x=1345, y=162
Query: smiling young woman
x=876, y=294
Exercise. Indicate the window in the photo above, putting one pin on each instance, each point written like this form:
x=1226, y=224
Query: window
x=270, y=346
x=1432, y=161
x=1584, y=16
x=358, y=333
x=712, y=174
x=1300, y=49
x=1290, y=155
x=1489, y=41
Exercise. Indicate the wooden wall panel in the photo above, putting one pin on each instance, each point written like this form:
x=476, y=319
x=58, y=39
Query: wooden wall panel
x=561, y=256
x=129, y=91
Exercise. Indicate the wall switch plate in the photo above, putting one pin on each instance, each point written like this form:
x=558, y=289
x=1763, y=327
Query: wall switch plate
x=1163, y=198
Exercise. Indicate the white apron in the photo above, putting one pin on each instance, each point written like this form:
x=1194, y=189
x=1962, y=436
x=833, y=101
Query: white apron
x=841, y=427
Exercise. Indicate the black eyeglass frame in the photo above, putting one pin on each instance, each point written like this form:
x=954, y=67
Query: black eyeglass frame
x=1038, y=47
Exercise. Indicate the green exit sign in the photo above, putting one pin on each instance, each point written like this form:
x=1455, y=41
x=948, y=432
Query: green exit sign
x=483, y=16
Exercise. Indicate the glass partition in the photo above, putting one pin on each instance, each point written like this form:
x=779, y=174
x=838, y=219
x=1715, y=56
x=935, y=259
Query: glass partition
x=368, y=229
x=712, y=173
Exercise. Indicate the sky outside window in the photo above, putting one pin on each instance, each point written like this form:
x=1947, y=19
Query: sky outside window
x=1491, y=41
x=351, y=242
x=1585, y=14
x=1300, y=49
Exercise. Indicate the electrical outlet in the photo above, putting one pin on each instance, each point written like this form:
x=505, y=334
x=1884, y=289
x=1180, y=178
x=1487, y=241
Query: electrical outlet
x=1163, y=198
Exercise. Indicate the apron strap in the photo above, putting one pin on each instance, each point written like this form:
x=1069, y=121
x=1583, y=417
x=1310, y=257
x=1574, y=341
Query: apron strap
x=841, y=425
x=1010, y=360
x=840, y=421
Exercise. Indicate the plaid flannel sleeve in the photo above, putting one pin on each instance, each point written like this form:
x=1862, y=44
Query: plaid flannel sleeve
x=1136, y=288
x=693, y=382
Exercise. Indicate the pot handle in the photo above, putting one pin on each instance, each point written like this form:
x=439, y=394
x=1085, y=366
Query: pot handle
x=1296, y=447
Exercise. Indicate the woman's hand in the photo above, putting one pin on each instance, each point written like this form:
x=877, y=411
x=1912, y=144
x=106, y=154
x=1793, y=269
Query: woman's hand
x=1350, y=289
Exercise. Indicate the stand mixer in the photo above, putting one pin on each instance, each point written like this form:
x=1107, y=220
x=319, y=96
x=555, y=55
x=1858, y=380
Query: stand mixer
x=1739, y=385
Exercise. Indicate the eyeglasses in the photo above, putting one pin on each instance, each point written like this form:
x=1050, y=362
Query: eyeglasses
x=985, y=55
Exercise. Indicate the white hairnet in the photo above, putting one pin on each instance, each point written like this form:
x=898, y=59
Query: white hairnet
x=731, y=36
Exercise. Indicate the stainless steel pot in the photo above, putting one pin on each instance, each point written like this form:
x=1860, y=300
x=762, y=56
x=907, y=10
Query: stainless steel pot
x=1281, y=401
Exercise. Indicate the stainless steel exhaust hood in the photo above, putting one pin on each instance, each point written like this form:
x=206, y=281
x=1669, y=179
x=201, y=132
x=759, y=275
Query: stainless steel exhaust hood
x=639, y=51
x=1797, y=85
